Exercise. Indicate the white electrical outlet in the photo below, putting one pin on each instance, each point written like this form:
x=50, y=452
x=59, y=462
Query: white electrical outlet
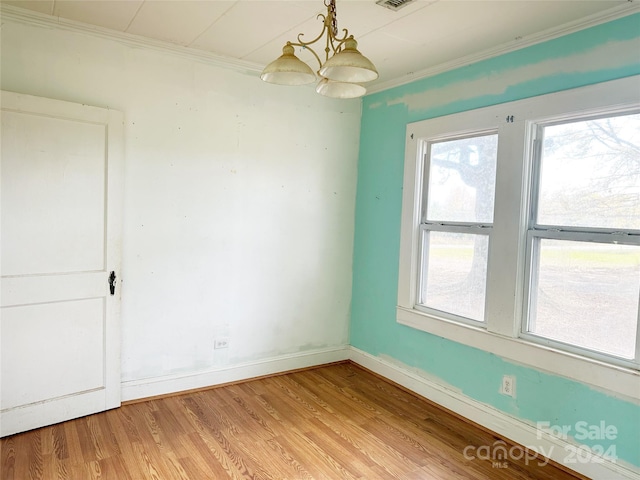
x=221, y=342
x=508, y=386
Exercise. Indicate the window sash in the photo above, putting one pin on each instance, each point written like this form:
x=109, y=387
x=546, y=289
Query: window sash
x=538, y=231
x=427, y=146
x=469, y=229
x=444, y=226
x=537, y=140
x=531, y=272
x=578, y=234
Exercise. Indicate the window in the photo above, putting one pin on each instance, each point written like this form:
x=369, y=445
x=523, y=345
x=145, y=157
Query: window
x=457, y=219
x=520, y=232
x=583, y=240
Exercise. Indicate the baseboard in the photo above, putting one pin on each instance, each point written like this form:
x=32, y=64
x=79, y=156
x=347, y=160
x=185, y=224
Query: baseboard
x=495, y=420
x=158, y=386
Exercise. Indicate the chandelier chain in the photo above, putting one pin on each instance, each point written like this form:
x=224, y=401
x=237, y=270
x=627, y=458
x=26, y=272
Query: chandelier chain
x=334, y=17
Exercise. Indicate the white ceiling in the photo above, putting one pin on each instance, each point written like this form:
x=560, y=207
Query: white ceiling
x=403, y=44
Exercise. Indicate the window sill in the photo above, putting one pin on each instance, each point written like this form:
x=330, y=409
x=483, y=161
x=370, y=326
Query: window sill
x=619, y=380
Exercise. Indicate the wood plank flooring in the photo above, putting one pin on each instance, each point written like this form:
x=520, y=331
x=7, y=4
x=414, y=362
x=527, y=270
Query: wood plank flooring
x=332, y=422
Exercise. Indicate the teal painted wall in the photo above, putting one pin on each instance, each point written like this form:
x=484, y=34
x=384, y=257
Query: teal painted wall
x=598, y=54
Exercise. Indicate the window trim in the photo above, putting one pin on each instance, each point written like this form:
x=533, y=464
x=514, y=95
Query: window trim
x=505, y=288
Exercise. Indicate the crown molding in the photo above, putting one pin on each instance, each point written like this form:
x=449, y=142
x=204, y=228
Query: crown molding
x=609, y=15
x=21, y=15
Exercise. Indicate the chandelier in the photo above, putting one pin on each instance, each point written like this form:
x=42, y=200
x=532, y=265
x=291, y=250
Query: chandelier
x=344, y=68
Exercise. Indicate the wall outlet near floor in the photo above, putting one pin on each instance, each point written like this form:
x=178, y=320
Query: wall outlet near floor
x=508, y=386
x=221, y=342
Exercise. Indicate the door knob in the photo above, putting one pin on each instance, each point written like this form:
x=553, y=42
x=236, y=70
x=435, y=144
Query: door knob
x=112, y=282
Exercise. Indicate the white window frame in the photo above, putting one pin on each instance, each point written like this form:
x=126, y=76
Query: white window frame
x=538, y=231
x=507, y=262
x=448, y=226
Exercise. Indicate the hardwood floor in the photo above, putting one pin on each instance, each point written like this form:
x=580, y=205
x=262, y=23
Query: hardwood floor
x=333, y=422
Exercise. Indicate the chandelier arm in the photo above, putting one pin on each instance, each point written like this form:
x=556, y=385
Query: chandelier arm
x=344, y=38
x=306, y=46
x=327, y=22
x=324, y=29
x=337, y=42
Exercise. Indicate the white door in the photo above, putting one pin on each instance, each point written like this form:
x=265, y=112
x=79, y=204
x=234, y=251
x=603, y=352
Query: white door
x=60, y=237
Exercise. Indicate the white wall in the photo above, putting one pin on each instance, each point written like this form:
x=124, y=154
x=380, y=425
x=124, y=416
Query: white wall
x=239, y=199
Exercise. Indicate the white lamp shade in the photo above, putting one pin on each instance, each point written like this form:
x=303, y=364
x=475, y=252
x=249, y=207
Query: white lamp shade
x=349, y=65
x=288, y=69
x=330, y=88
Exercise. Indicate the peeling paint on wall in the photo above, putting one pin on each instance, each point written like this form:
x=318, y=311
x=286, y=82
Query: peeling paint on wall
x=611, y=56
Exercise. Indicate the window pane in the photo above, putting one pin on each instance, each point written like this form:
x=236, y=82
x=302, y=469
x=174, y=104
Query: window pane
x=587, y=295
x=590, y=174
x=454, y=273
x=462, y=180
